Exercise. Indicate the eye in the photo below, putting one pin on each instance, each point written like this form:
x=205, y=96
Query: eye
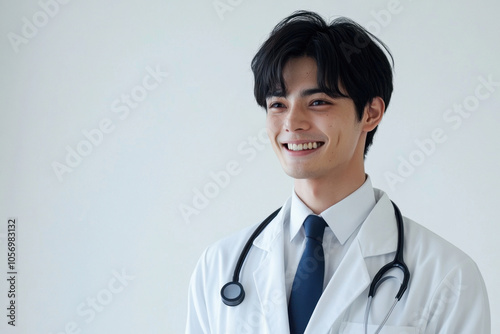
x=276, y=105
x=319, y=102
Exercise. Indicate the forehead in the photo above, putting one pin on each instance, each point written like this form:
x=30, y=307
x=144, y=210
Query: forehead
x=300, y=71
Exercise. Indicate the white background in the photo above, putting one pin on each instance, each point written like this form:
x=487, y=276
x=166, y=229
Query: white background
x=118, y=212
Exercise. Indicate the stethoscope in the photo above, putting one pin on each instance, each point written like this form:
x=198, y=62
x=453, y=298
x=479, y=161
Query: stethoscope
x=232, y=293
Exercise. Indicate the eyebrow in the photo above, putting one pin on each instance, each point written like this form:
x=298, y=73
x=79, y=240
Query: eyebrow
x=312, y=91
x=304, y=93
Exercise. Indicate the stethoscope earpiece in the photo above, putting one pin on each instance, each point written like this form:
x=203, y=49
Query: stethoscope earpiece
x=232, y=293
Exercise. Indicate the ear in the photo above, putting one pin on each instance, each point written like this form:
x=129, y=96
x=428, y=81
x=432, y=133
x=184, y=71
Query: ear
x=373, y=113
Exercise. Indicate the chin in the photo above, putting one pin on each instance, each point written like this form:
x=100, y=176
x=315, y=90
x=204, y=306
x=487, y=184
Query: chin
x=299, y=173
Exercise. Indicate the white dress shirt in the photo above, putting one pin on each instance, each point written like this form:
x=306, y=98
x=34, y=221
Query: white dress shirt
x=344, y=220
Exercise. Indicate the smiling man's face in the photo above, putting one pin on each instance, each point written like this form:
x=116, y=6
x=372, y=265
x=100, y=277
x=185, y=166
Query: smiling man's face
x=313, y=134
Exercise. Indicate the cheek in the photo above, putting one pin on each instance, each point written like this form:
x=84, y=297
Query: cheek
x=341, y=132
x=270, y=134
x=334, y=131
x=272, y=128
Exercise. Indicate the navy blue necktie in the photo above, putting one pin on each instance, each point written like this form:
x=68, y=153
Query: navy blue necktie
x=308, y=282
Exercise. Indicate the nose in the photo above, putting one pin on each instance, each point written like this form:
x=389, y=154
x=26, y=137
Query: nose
x=296, y=119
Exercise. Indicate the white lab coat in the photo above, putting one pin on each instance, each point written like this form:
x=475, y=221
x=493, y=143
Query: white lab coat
x=446, y=293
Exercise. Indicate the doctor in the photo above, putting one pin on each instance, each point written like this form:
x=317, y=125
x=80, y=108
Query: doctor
x=325, y=88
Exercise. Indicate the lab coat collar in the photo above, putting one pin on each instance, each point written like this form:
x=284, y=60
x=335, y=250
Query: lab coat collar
x=266, y=240
x=379, y=234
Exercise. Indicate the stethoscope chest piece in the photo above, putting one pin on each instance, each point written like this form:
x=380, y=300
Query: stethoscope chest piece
x=232, y=293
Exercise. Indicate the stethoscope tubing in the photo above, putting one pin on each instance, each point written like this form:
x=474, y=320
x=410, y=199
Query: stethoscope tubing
x=232, y=293
x=397, y=263
x=249, y=243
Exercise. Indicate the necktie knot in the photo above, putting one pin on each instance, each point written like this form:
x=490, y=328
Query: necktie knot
x=314, y=227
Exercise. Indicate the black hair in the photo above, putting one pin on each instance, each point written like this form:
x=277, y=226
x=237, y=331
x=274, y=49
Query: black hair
x=346, y=54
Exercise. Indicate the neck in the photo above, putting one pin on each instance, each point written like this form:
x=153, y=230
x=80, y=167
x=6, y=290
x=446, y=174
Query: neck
x=320, y=194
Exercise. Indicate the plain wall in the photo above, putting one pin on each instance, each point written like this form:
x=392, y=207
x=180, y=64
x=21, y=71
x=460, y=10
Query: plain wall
x=100, y=157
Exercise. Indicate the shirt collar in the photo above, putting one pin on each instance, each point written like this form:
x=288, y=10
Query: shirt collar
x=343, y=218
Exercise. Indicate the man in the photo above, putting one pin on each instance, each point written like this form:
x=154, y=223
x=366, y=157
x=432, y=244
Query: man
x=325, y=89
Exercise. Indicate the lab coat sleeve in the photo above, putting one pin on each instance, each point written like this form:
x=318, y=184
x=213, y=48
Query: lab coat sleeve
x=197, y=315
x=460, y=303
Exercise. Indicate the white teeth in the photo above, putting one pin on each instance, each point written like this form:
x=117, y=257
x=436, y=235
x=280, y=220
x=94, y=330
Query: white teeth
x=301, y=147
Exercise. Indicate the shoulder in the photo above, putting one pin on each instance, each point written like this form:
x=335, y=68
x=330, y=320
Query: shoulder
x=229, y=245
x=228, y=249
x=437, y=264
x=445, y=282
x=423, y=246
x=422, y=242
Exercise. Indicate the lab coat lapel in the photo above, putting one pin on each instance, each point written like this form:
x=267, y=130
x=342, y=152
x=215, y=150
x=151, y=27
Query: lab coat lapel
x=269, y=277
x=347, y=283
x=377, y=236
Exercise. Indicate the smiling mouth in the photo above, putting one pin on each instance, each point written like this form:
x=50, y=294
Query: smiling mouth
x=303, y=146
